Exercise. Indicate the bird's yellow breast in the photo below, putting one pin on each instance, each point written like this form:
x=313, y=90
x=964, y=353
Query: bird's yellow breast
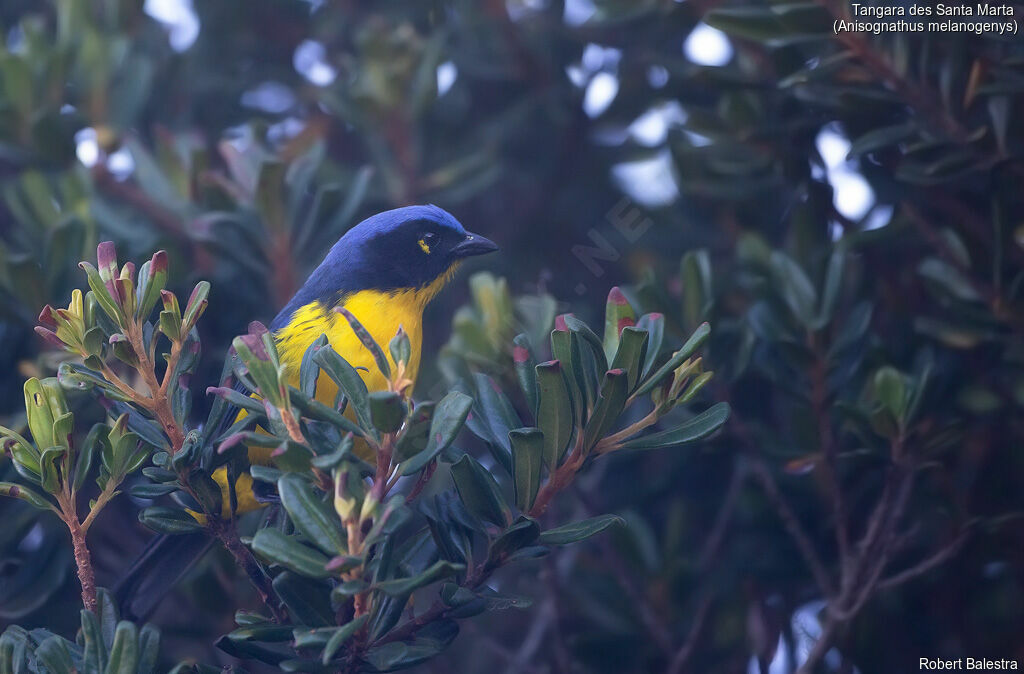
x=381, y=313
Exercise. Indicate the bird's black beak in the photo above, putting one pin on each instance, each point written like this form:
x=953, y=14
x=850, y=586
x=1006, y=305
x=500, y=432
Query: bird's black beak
x=474, y=244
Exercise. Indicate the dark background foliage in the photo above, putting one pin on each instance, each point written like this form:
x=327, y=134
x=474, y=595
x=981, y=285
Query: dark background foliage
x=846, y=210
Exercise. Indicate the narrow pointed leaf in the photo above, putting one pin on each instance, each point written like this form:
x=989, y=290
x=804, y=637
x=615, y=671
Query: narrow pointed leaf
x=11, y=490
x=695, y=341
x=525, y=365
x=348, y=380
x=368, y=341
x=578, y=531
x=280, y=549
x=527, y=462
x=448, y=419
x=341, y=635
x=701, y=426
x=618, y=315
x=312, y=516
x=124, y=653
x=654, y=324
x=631, y=353
x=614, y=391
x=554, y=414
x=403, y=586
x=480, y=492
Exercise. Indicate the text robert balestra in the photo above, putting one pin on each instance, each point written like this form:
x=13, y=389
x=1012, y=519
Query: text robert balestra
x=966, y=664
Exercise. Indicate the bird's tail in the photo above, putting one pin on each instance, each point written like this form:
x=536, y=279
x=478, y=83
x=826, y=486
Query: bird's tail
x=156, y=571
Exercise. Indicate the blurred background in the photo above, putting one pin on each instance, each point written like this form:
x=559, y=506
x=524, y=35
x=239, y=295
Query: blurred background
x=844, y=208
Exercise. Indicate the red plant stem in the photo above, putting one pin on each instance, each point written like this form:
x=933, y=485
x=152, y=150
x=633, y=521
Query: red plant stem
x=226, y=534
x=83, y=559
x=558, y=481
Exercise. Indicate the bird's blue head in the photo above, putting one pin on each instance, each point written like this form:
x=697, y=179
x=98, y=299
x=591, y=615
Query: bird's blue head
x=406, y=248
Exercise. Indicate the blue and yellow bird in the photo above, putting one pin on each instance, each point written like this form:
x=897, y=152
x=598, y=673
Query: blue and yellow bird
x=385, y=271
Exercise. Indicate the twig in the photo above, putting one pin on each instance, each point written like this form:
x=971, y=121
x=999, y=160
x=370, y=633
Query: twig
x=821, y=646
x=990, y=295
x=793, y=527
x=83, y=562
x=819, y=404
x=713, y=543
x=685, y=652
x=936, y=559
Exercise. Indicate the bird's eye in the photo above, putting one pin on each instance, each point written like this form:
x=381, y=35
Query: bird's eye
x=426, y=241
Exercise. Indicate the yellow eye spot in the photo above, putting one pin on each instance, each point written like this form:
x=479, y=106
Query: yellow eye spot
x=424, y=246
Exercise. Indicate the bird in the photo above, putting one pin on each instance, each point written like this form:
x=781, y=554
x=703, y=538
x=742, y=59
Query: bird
x=385, y=271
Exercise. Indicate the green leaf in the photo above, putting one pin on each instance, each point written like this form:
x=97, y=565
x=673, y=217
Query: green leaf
x=561, y=350
x=414, y=437
x=891, y=391
x=400, y=347
x=527, y=463
x=341, y=635
x=307, y=600
x=368, y=341
x=695, y=272
x=170, y=325
x=81, y=378
x=448, y=419
x=949, y=278
x=53, y=653
x=312, y=517
x=387, y=411
x=700, y=426
x=86, y=455
x=578, y=531
x=316, y=410
x=152, y=279
x=618, y=314
x=554, y=414
x=525, y=364
x=102, y=295
x=695, y=341
x=498, y=413
x=830, y=291
x=614, y=391
x=796, y=289
x=285, y=551
x=881, y=137
x=23, y=453
x=12, y=490
x=51, y=473
x=94, y=651
x=308, y=369
x=596, y=346
x=521, y=534
x=39, y=412
x=654, y=324
x=164, y=520
x=480, y=492
x=196, y=306
x=349, y=382
x=404, y=586
x=775, y=25
x=630, y=354
x=124, y=653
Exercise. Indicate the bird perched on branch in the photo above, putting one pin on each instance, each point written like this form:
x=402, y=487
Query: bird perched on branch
x=385, y=271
